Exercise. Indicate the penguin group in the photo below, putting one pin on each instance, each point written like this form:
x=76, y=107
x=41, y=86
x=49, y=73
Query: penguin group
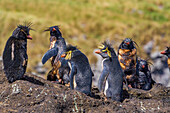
x=71, y=67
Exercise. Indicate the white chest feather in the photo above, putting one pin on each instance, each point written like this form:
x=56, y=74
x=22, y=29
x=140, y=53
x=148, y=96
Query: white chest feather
x=12, y=52
x=106, y=87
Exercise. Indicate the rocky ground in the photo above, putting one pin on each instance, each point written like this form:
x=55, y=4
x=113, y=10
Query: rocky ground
x=34, y=94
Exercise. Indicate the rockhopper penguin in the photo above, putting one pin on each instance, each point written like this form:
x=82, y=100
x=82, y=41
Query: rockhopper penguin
x=80, y=68
x=112, y=73
x=60, y=65
x=143, y=75
x=128, y=58
x=15, y=53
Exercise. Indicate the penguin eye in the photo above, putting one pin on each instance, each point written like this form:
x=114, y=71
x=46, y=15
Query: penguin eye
x=24, y=32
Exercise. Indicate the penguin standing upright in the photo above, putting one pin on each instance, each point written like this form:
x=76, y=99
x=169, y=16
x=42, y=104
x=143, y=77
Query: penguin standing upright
x=167, y=53
x=15, y=53
x=144, y=79
x=112, y=73
x=128, y=58
x=60, y=65
x=80, y=68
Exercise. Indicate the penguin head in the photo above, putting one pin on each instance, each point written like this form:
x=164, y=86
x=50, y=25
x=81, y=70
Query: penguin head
x=127, y=43
x=54, y=31
x=105, y=50
x=166, y=52
x=143, y=65
x=71, y=52
x=22, y=32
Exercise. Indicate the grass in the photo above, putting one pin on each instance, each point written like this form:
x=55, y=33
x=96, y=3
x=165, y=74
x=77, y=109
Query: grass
x=86, y=23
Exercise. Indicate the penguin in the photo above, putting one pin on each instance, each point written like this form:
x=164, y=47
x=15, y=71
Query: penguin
x=61, y=69
x=127, y=55
x=15, y=53
x=144, y=79
x=112, y=73
x=167, y=53
x=80, y=69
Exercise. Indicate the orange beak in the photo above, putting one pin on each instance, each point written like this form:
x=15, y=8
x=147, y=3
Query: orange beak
x=63, y=55
x=143, y=66
x=163, y=52
x=98, y=52
x=29, y=37
x=127, y=43
x=54, y=29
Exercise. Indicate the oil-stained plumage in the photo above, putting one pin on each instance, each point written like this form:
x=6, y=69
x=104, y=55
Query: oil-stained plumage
x=61, y=69
x=112, y=73
x=144, y=79
x=80, y=69
x=128, y=59
x=167, y=53
x=15, y=53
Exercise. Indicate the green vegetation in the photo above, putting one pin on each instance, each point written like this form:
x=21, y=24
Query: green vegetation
x=86, y=23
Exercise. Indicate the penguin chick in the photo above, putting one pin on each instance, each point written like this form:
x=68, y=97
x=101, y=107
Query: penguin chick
x=167, y=53
x=15, y=53
x=80, y=68
x=112, y=73
x=60, y=65
x=128, y=58
x=144, y=78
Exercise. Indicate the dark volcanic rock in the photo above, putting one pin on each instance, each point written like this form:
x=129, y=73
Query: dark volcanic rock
x=34, y=94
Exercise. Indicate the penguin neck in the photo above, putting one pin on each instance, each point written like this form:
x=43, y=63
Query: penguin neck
x=61, y=44
x=110, y=59
x=78, y=58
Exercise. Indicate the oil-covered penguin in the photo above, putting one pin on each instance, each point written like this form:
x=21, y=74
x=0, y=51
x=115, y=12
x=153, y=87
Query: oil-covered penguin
x=15, y=53
x=127, y=55
x=143, y=75
x=61, y=69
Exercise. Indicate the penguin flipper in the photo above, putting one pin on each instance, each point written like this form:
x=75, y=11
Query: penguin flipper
x=50, y=53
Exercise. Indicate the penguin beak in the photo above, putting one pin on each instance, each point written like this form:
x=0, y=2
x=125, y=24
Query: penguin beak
x=163, y=52
x=54, y=29
x=63, y=55
x=98, y=52
x=29, y=37
x=143, y=66
x=127, y=43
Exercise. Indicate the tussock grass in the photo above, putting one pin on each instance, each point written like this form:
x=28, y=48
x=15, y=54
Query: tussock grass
x=86, y=23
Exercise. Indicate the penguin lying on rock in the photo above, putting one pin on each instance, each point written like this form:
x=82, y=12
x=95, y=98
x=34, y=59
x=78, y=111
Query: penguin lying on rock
x=61, y=69
x=112, y=73
x=15, y=53
x=80, y=68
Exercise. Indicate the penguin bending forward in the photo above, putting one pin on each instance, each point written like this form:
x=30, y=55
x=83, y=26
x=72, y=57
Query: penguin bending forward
x=80, y=68
x=112, y=72
x=15, y=53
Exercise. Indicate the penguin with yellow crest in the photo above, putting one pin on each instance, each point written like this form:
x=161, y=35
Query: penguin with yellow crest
x=111, y=78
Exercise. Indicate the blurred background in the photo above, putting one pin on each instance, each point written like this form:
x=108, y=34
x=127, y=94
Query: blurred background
x=86, y=23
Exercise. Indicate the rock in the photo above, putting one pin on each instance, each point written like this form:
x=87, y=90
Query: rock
x=35, y=94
